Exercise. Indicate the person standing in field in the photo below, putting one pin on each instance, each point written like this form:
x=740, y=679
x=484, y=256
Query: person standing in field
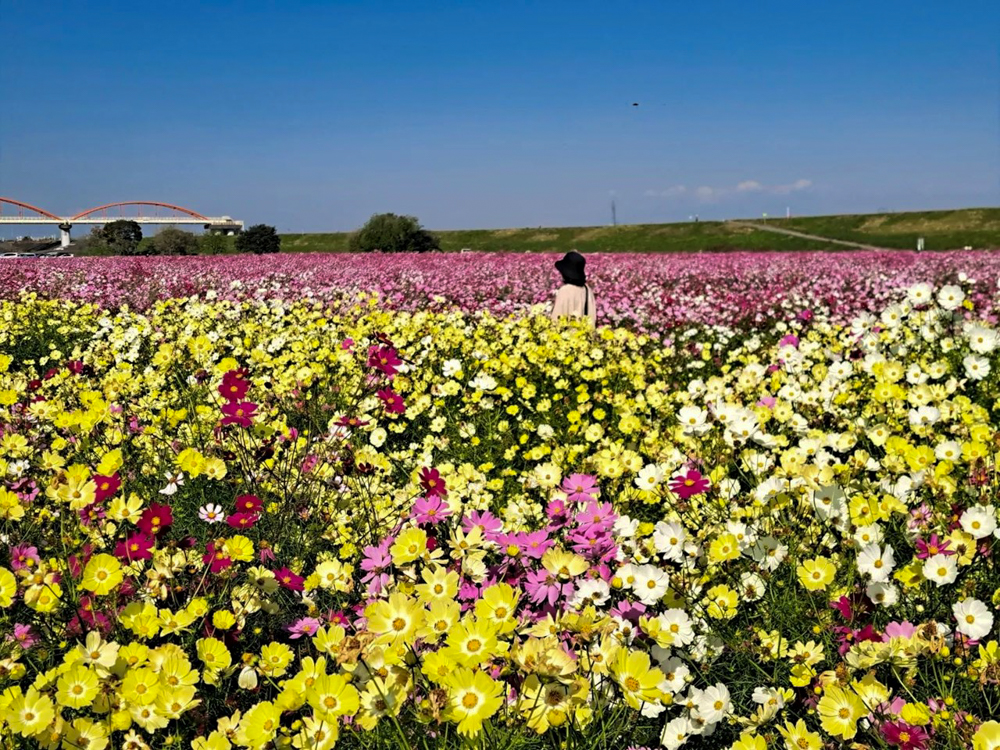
x=574, y=298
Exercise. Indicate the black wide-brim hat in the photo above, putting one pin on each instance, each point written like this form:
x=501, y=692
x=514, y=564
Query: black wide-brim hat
x=572, y=267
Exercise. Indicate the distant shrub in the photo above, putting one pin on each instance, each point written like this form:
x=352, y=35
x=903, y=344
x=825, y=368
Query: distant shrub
x=214, y=244
x=391, y=233
x=173, y=241
x=260, y=239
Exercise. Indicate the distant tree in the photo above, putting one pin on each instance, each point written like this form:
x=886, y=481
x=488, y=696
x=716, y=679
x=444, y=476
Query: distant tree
x=214, y=244
x=173, y=241
x=122, y=237
x=390, y=233
x=259, y=239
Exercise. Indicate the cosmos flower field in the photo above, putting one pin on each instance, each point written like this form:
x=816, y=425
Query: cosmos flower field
x=384, y=502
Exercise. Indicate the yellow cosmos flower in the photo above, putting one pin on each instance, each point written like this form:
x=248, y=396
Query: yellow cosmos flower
x=102, y=574
x=639, y=682
x=839, y=712
x=473, y=697
x=817, y=573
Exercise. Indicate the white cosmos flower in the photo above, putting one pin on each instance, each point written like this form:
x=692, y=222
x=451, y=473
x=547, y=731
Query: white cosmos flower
x=949, y=450
x=769, y=552
x=677, y=623
x=869, y=534
x=941, y=569
x=713, y=704
x=924, y=416
x=884, y=594
x=892, y=316
x=694, y=420
x=668, y=538
x=982, y=340
x=451, y=367
x=676, y=732
x=951, y=297
x=974, y=619
x=876, y=562
x=976, y=367
x=650, y=477
x=920, y=294
x=650, y=584
x=979, y=521
x=752, y=586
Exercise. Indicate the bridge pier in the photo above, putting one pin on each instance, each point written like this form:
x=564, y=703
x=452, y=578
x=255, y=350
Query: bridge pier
x=64, y=238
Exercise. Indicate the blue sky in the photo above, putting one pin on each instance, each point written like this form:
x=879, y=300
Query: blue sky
x=313, y=115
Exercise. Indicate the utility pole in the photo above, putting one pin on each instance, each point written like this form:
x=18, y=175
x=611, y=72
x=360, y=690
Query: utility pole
x=614, y=214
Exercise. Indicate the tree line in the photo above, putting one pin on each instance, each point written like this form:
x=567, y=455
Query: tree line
x=382, y=233
x=124, y=237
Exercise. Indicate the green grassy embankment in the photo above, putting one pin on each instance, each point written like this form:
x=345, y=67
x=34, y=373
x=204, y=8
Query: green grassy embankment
x=941, y=230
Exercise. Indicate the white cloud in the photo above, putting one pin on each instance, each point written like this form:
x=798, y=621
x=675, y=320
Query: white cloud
x=709, y=194
x=794, y=187
x=670, y=192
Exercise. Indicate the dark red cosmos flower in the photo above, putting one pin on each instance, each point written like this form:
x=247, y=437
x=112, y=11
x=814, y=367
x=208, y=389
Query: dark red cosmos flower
x=384, y=359
x=351, y=422
x=215, y=559
x=392, y=401
x=432, y=483
x=248, y=503
x=287, y=579
x=690, y=484
x=241, y=413
x=905, y=736
x=106, y=486
x=242, y=520
x=136, y=547
x=155, y=519
x=234, y=385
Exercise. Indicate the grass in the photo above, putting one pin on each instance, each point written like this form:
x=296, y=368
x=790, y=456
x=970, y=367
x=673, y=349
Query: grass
x=942, y=230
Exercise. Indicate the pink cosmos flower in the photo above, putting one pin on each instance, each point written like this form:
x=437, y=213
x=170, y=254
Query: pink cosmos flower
x=690, y=484
x=933, y=546
x=306, y=626
x=898, y=630
x=22, y=556
x=430, y=510
x=489, y=524
x=23, y=636
x=580, y=488
x=599, y=515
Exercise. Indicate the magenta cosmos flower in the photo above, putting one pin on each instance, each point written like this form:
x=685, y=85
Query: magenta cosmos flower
x=580, y=488
x=239, y=413
x=690, y=484
x=905, y=736
x=430, y=510
x=136, y=547
x=392, y=401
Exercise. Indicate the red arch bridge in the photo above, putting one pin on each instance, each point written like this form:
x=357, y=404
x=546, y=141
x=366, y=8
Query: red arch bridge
x=144, y=212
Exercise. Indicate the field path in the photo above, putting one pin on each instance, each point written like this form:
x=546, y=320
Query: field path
x=803, y=235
